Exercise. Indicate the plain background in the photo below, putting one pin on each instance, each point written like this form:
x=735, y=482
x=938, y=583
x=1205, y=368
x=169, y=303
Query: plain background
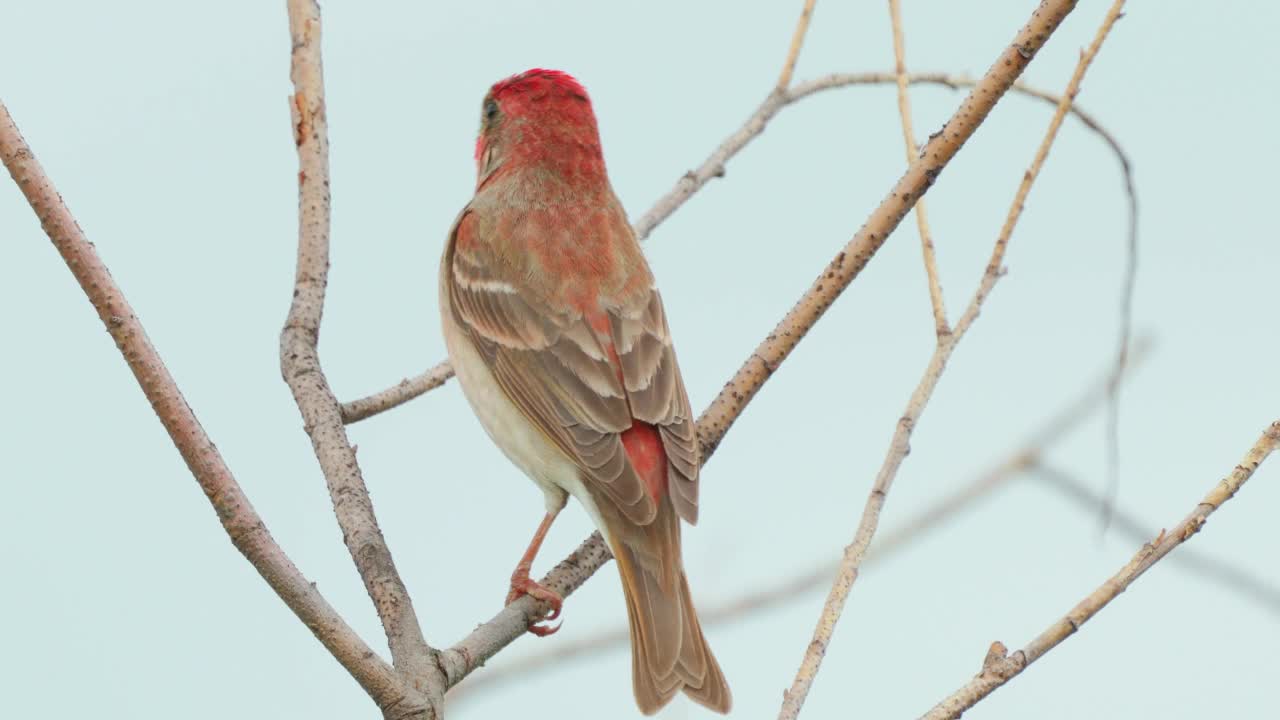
x=166, y=127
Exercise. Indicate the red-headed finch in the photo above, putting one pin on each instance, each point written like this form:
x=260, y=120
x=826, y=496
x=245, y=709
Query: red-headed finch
x=559, y=340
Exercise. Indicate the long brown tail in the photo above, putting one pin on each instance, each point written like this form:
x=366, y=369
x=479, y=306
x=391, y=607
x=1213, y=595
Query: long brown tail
x=668, y=649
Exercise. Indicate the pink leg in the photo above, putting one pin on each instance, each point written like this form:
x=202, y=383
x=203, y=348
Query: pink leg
x=522, y=584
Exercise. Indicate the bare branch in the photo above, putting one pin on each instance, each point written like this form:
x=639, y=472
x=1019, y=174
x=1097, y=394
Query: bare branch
x=995, y=265
x=1215, y=569
x=713, y=166
x=1053, y=430
x=1000, y=669
x=300, y=366
x=940, y=324
x=242, y=523
x=398, y=394
x=835, y=81
x=797, y=41
x=511, y=623
x=513, y=620
x=899, y=446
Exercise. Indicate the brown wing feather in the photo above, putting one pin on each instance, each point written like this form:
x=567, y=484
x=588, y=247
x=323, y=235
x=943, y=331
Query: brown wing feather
x=550, y=365
x=657, y=395
x=554, y=367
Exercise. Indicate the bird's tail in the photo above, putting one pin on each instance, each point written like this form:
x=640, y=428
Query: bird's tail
x=668, y=649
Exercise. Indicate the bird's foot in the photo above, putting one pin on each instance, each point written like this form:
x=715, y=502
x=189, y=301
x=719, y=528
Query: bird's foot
x=522, y=584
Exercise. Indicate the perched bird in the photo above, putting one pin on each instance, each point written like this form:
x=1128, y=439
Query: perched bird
x=559, y=340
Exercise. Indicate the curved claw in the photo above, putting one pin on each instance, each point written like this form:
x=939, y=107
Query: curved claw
x=527, y=586
x=544, y=630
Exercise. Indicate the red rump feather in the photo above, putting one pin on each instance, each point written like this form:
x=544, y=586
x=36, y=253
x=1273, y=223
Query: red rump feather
x=641, y=441
x=644, y=449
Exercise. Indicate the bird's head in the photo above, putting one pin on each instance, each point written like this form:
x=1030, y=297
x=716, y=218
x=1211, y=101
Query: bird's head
x=539, y=119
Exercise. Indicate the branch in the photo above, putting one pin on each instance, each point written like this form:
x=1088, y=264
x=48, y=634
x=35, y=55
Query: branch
x=1122, y=346
x=714, y=166
x=836, y=81
x=1054, y=429
x=512, y=621
x=940, y=325
x=242, y=523
x=406, y=390
x=999, y=668
x=300, y=365
x=899, y=446
x=1217, y=569
x=797, y=41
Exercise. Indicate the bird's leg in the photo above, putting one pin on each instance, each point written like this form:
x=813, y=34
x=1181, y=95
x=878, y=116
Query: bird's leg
x=522, y=584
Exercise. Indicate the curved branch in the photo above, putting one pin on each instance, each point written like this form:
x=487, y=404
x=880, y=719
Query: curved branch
x=300, y=366
x=999, y=668
x=716, y=420
x=714, y=166
x=242, y=523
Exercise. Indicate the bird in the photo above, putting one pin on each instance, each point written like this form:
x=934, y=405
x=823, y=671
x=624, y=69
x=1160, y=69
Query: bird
x=561, y=345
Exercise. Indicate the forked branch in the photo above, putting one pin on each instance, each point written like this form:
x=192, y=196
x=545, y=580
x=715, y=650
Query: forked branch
x=242, y=523
x=414, y=660
x=414, y=687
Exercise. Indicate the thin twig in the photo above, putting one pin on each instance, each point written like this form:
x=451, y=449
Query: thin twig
x=797, y=41
x=714, y=166
x=999, y=668
x=513, y=620
x=1220, y=570
x=300, y=366
x=940, y=324
x=1122, y=346
x=398, y=394
x=1057, y=427
x=899, y=446
x=242, y=523
x=835, y=81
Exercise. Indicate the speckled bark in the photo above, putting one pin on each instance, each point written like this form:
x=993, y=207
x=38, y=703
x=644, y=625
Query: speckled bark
x=243, y=525
x=413, y=659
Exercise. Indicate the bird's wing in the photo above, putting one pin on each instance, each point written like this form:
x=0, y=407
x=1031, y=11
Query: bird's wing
x=655, y=391
x=583, y=380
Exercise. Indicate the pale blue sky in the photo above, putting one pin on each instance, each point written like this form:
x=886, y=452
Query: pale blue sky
x=166, y=127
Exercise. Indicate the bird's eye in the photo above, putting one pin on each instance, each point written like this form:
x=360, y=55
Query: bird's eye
x=490, y=110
